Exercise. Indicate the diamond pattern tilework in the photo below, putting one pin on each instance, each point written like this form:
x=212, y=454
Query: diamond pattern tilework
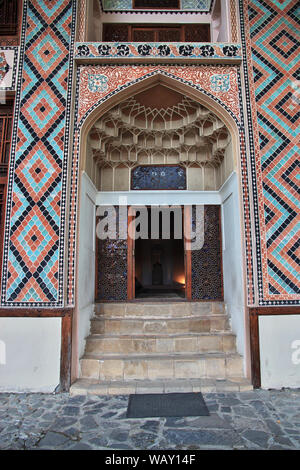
x=272, y=40
x=33, y=256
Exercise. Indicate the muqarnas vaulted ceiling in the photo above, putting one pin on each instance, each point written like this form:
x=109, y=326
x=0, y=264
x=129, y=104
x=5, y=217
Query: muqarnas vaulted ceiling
x=161, y=126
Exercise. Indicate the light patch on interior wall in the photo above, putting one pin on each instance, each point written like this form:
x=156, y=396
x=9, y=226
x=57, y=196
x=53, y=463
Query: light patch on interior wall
x=279, y=339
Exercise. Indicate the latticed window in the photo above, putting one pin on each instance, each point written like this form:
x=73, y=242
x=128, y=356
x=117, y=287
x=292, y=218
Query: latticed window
x=2, y=188
x=116, y=32
x=6, y=116
x=8, y=17
x=5, y=137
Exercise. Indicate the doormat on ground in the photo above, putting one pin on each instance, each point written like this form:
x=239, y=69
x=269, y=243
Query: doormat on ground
x=166, y=405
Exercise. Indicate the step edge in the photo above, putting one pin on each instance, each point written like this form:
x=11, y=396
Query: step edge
x=169, y=356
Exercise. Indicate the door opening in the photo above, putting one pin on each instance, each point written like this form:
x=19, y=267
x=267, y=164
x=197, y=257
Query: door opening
x=159, y=259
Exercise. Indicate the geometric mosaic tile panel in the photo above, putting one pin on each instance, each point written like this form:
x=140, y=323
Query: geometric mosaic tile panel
x=271, y=39
x=33, y=253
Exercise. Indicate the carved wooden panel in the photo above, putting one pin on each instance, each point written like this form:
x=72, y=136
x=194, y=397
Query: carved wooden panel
x=111, y=283
x=5, y=137
x=115, y=32
x=143, y=35
x=169, y=35
x=8, y=17
x=207, y=279
x=2, y=188
x=197, y=33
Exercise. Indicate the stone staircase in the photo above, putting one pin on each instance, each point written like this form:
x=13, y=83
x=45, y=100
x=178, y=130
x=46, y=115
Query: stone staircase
x=160, y=346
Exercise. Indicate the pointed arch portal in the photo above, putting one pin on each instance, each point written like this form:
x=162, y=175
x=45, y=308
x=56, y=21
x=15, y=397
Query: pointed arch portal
x=190, y=128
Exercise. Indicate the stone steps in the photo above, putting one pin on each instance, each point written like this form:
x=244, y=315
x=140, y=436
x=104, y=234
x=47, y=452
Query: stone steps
x=108, y=387
x=161, y=366
x=158, y=309
x=148, y=325
x=161, y=343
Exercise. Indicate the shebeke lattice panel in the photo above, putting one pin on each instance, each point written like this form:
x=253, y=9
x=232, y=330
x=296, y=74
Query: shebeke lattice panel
x=33, y=256
x=272, y=40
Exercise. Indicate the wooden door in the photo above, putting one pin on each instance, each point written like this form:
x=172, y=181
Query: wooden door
x=187, y=252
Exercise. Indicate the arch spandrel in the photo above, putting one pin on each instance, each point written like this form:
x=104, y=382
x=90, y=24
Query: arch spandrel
x=216, y=87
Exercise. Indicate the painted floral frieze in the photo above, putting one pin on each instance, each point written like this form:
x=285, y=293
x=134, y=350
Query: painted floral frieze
x=196, y=51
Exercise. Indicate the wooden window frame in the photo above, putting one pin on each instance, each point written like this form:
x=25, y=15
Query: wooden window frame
x=11, y=36
x=4, y=175
x=156, y=28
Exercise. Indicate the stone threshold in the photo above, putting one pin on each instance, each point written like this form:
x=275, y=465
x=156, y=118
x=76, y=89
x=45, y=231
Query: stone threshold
x=94, y=387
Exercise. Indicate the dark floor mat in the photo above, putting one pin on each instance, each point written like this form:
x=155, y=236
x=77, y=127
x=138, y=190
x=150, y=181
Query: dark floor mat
x=166, y=405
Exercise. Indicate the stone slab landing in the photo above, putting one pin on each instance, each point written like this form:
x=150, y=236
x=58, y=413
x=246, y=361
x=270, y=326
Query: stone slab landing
x=160, y=347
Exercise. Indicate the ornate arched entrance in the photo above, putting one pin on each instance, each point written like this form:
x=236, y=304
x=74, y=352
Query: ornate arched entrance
x=166, y=126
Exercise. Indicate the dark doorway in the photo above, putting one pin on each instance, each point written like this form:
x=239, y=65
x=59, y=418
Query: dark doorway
x=159, y=261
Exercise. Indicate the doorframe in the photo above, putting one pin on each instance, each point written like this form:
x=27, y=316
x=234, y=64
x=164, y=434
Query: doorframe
x=187, y=220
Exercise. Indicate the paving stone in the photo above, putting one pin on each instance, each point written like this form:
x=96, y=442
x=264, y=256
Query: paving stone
x=53, y=440
x=274, y=427
x=80, y=446
x=117, y=435
x=175, y=422
x=143, y=440
x=71, y=410
x=230, y=401
x=259, y=438
x=120, y=447
x=206, y=437
x=77, y=400
x=151, y=426
x=63, y=422
x=100, y=441
x=243, y=411
x=207, y=422
x=87, y=423
x=284, y=441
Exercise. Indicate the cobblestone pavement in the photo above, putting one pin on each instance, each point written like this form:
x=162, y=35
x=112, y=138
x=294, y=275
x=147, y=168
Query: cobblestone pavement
x=247, y=420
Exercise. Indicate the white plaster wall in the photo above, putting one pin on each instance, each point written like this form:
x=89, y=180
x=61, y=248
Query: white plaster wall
x=224, y=26
x=86, y=260
x=161, y=18
x=232, y=260
x=279, y=341
x=30, y=354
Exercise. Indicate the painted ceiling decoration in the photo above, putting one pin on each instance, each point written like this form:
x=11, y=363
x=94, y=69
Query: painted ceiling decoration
x=200, y=6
